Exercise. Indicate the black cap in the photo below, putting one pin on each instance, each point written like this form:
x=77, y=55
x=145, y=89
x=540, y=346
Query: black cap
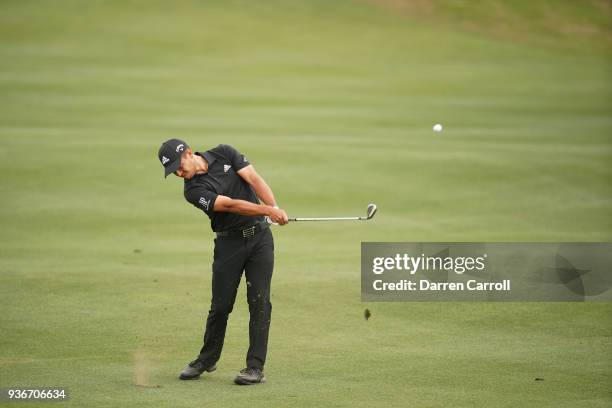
x=170, y=155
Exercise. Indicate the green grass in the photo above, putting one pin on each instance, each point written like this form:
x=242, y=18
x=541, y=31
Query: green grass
x=105, y=269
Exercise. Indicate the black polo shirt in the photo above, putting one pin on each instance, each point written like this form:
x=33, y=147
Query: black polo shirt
x=221, y=179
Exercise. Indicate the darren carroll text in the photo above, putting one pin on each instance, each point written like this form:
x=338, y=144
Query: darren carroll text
x=425, y=285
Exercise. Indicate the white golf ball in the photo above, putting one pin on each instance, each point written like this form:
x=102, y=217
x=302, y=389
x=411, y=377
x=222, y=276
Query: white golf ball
x=437, y=127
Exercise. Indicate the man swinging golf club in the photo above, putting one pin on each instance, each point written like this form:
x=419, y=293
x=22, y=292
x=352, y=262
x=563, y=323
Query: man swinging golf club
x=222, y=183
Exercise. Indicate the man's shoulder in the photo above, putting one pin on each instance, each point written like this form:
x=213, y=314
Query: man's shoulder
x=195, y=187
x=189, y=184
x=221, y=150
x=194, y=182
x=224, y=149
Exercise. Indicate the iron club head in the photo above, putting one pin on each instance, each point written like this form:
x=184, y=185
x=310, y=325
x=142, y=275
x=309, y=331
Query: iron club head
x=371, y=211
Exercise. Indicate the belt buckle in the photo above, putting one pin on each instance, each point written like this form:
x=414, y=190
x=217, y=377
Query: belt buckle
x=248, y=232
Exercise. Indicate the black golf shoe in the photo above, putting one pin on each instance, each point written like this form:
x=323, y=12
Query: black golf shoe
x=249, y=376
x=195, y=369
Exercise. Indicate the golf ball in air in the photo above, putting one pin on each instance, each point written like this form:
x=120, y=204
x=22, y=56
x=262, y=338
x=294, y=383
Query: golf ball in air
x=437, y=127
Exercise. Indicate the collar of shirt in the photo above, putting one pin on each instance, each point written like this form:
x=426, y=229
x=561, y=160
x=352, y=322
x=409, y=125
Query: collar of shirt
x=210, y=159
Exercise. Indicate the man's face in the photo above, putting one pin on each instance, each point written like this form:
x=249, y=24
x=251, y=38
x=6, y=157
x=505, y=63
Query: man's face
x=188, y=166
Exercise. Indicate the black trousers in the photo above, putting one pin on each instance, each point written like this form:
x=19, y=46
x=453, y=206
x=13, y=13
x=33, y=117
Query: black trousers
x=233, y=255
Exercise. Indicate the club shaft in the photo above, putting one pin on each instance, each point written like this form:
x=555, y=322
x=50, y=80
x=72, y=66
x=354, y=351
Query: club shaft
x=328, y=219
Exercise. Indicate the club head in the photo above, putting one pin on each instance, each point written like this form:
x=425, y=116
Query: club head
x=371, y=211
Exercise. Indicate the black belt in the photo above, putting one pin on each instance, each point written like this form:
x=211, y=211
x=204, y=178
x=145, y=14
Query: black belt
x=244, y=232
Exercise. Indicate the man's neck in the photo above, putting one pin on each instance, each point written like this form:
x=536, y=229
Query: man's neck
x=201, y=164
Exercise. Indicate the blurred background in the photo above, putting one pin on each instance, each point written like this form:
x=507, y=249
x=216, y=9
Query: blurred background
x=105, y=269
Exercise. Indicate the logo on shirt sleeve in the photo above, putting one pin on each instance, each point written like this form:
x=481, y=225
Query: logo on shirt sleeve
x=204, y=203
x=226, y=167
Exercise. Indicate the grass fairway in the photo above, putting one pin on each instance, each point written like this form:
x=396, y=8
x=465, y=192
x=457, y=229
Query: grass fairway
x=105, y=269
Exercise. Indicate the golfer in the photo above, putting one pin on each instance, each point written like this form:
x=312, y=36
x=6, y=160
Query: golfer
x=222, y=183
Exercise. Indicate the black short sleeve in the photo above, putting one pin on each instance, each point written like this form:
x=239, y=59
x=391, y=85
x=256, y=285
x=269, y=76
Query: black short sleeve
x=238, y=160
x=202, y=199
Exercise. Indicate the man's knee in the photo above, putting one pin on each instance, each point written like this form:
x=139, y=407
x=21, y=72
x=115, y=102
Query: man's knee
x=259, y=303
x=221, y=309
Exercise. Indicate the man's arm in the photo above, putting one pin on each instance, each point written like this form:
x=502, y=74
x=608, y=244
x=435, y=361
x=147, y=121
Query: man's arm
x=263, y=191
x=226, y=204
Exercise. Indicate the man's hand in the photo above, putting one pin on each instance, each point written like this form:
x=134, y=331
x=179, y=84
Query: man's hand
x=278, y=216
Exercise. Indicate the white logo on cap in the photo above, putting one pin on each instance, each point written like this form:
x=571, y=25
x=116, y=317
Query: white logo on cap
x=244, y=159
x=165, y=160
x=226, y=167
x=180, y=148
x=204, y=202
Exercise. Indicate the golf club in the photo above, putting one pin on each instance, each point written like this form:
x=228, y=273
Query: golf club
x=369, y=214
